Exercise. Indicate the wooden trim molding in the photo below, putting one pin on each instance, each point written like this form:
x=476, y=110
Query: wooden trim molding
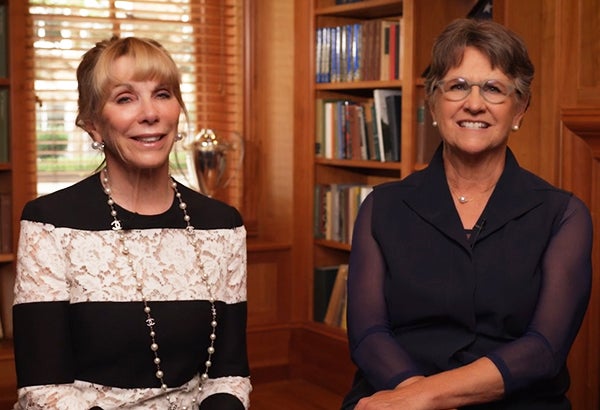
x=585, y=123
x=581, y=175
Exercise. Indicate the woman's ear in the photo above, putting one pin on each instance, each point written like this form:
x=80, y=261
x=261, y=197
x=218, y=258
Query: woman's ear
x=518, y=118
x=92, y=130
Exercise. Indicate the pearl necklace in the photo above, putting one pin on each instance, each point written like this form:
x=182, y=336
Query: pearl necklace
x=150, y=321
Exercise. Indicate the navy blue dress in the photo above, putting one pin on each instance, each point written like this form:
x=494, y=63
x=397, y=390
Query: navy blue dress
x=425, y=297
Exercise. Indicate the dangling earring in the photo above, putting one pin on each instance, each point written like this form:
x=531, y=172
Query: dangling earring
x=434, y=124
x=515, y=128
x=98, y=145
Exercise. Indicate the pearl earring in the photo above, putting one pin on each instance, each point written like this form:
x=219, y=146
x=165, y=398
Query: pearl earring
x=434, y=124
x=98, y=145
x=515, y=128
x=179, y=136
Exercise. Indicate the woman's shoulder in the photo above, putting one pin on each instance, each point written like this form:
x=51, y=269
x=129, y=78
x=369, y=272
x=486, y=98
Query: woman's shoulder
x=539, y=186
x=207, y=212
x=404, y=185
x=66, y=203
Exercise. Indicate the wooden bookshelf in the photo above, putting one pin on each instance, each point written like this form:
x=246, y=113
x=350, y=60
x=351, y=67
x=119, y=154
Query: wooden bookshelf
x=421, y=21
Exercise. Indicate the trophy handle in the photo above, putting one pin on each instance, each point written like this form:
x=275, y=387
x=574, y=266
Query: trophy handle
x=237, y=145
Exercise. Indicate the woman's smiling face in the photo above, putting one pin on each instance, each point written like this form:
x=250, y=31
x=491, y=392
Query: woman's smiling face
x=474, y=125
x=139, y=121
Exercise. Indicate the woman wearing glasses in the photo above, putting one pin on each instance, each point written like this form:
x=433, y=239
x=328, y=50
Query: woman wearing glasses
x=469, y=279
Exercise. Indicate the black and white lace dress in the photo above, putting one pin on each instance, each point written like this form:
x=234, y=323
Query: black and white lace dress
x=81, y=339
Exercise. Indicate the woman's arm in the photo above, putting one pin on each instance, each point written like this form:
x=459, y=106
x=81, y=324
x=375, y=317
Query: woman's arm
x=564, y=295
x=372, y=345
x=42, y=341
x=478, y=382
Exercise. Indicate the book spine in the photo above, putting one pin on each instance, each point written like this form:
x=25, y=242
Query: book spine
x=319, y=55
x=323, y=281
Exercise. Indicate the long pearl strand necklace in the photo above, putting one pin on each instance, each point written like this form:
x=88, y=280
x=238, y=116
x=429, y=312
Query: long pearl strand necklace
x=150, y=321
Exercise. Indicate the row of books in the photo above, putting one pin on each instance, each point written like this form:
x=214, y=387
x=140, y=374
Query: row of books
x=330, y=295
x=367, y=51
x=367, y=129
x=336, y=208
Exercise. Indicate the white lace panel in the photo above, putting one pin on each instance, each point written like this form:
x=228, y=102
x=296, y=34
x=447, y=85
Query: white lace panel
x=83, y=395
x=66, y=264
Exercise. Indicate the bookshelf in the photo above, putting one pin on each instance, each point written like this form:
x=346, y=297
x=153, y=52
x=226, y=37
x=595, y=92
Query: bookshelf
x=420, y=21
x=17, y=169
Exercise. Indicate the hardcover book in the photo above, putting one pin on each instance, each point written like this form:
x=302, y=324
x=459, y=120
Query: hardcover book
x=323, y=281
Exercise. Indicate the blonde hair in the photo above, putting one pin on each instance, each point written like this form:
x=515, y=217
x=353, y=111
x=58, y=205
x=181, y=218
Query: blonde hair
x=94, y=80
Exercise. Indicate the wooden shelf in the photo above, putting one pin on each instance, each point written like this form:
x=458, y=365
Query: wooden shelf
x=367, y=9
x=333, y=244
x=358, y=85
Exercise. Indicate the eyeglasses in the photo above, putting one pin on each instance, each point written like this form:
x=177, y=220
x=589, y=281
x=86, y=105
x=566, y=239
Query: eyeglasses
x=493, y=91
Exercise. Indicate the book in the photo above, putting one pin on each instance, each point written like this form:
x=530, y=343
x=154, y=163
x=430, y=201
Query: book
x=357, y=50
x=394, y=104
x=319, y=55
x=335, y=307
x=372, y=130
x=319, y=127
x=394, y=37
x=382, y=122
x=323, y=281
x=399, y=48
x=384, y=58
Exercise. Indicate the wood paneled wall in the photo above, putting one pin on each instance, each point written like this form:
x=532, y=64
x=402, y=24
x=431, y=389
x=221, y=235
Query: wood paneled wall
x=579, y=73
x=560, y=139
x=267, y=185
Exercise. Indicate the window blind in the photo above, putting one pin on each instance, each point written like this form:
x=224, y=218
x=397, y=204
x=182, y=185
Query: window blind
x=204, y=38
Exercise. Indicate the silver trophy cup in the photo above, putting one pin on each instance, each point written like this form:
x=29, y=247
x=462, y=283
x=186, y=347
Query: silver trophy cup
x=209, y=155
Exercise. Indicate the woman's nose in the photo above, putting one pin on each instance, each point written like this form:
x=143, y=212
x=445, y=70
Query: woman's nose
x=475, y=99
x=149, y=112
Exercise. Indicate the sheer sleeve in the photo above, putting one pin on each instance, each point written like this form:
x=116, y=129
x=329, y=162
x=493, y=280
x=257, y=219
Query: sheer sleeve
x=541, y=352
x=372, y=346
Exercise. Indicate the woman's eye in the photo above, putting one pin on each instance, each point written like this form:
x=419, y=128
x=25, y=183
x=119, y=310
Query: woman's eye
x=164, y=94
x=458, y=86
x=495, y=88
x=123, y=99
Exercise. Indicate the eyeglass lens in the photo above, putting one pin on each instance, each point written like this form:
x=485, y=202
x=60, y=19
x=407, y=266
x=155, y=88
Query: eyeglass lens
x=492, y=91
